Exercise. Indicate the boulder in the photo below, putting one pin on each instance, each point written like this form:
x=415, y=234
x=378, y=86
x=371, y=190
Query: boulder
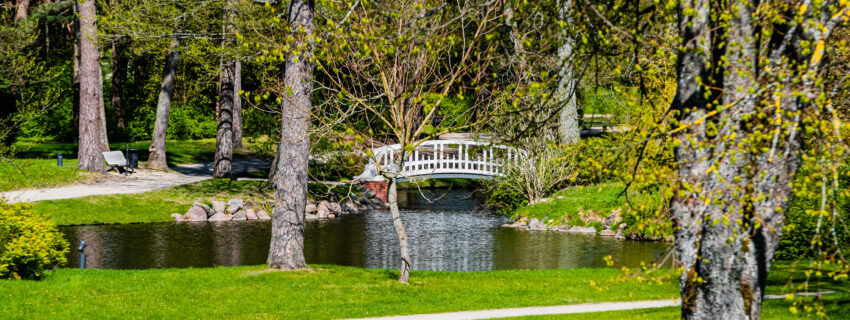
x=220, y=217
x=349, y=207
x=263, y=215
x=578, y=229
x=564, y=228
x=377, y=201
x=370, y=194
x=612, y=219
x=619, y=236
x=607, y=233
x=195, y=214
x=323, y=210
x=310, y=208
x=364, y=201
x=239, y=216
x=234, y=205
x=206, y=208
x=542, y=226
x=311, y=217
x=331, y=216
x=177, y=216
x=335, y=208
x=533, y=223
x=218, y=206
x=250, y=214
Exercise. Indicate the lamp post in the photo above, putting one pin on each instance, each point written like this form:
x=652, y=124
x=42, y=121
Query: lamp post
x=82, y=249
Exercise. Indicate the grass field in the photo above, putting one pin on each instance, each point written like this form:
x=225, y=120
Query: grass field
x=149, y=206
x=601, y=199
x=327, y=292
x=39, y=173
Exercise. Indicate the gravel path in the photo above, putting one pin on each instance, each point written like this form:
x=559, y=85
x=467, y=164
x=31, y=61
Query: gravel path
x=141, y=181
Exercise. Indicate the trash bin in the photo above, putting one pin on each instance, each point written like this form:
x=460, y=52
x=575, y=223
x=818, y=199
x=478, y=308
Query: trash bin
x=133, y=158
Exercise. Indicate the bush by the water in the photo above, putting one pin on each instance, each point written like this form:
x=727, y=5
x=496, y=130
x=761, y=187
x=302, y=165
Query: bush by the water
x=30, y=244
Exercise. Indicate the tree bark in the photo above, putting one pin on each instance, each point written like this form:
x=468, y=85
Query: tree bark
x=738, y=152
x=287, y=244
x=237, y=106
x=76, y=76
x=22, y=10
x=224, y=137
x=392, y=198
x=104, y=139
x=568, y=125
x=156, y=159
x=119, y=73
x=91, y=96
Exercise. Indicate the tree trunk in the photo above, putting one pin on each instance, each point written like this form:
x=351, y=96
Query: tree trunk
x=89, y=153
x=76, y=77
x=739, y=149
x=237, y=106
x=567, y=85
x=287, y=244
x=224, y=137
x=156, y=159
x=23, y=10
x=104, y=139
x=119, y=73
x=392, y=198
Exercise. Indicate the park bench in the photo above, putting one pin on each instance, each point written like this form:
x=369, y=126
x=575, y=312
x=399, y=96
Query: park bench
x=116, y=160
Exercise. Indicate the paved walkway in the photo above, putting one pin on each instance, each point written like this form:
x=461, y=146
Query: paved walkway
x=537, y=311
x=139, y=182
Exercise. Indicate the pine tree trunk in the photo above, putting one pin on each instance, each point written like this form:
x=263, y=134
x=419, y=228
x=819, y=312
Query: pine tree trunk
x=736, y=160
x=89, y=153
x=156, y=159
x=76, y=77
x=104, y=139
x=237, y=106
x=224, y=137
x=119, y=73
x=287, y=244
x=568, y=125
x=22, y=10
x=392, y=198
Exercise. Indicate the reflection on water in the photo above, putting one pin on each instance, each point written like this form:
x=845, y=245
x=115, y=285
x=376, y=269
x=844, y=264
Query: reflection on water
x=444, y=235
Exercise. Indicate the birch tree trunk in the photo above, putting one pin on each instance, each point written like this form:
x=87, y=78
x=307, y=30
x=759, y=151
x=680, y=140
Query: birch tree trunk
x=237, y=106
x=91, y=96
x=156, y=159
x=739, y=147
x=286, y=251
x=392, y=198
x=568, y=126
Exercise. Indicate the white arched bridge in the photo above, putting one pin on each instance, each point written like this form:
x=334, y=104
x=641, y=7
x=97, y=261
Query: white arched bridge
x=442, y=159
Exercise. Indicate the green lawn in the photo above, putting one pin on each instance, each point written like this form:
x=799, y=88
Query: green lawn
x=601, y=199
x=178, y=151
x=327, y=292
x=39, y=173
x=149, y=206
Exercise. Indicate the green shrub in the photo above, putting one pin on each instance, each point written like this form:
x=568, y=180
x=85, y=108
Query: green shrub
x=30, y=244
x=504, y=199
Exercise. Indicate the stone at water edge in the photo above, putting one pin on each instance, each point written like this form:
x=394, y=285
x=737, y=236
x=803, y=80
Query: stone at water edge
x=206, y=208
x=195, y=214
x=349, y=207
x=331, y=216
x=177, y=216
x=218, y=206
x=607, y=233
x=578, y=229
x=263, y=215
x=220, y=217
x=311, y=217
x=612, y=219
x=533, y=223
x=335, y=208
x=240, y=216
x=542, y=226
x=250, y=214
x=310, y=208
x=323, y=212
x=234, y=205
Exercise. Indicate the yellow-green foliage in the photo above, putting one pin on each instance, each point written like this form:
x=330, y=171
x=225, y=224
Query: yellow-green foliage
x=30, y=243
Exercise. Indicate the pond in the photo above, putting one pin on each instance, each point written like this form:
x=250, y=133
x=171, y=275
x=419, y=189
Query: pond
x=446, y=234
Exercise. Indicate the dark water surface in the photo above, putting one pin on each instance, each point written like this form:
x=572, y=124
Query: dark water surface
x=444, y=235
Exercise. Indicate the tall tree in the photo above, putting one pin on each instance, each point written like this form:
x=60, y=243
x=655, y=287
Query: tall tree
x=157, y=159
x=91, y=95
x=22, y=10
x=741, y=101
x=119, y=74
x=237, y=106
x=287, y=244
x=228, y=97
x=568, y=123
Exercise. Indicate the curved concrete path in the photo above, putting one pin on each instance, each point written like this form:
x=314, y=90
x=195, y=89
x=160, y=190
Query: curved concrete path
x=139, y=182
x=537, y=311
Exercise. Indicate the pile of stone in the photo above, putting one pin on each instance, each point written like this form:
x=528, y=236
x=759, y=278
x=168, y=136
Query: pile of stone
x=329, y=210
x=232, y=210
x=547, y=224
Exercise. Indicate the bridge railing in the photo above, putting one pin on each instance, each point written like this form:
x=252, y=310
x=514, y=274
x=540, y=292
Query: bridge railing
x=447, y=157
